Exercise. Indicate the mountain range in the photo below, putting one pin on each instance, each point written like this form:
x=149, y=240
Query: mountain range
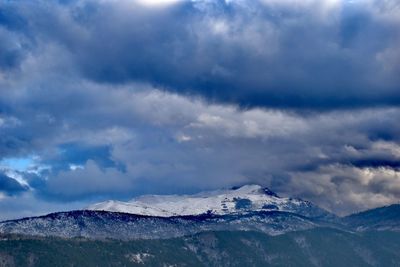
x=248, y=210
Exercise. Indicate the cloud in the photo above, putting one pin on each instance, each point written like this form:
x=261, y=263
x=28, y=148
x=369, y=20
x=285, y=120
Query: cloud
x=292, y=54
x=157, y=3
x=74, y=154
x=28, y=205
x=300, y=96
x=87, y=181
x=10, y=186
x=128, y=142
x=350, y=188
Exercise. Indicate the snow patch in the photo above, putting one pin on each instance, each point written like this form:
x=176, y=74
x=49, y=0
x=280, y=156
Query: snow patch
x=139, y=258
x=219, y=202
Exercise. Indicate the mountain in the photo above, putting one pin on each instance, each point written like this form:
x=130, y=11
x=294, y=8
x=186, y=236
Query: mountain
x=380, y=219
x=103, y=224
x=238, y=200
x=246, y=208
x=244, y=226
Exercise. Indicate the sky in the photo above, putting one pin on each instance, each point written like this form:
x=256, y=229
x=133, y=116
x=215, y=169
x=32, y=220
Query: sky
x=106, y=99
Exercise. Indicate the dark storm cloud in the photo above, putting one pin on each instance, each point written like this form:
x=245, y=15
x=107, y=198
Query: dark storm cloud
x=9, y=186
x=78, y=154
x=316, y=54
x=14, y=45
x=11, y=55
x=254, y=55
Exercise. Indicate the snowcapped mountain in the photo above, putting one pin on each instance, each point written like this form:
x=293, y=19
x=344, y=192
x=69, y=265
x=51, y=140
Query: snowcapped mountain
x=246, y=208
x=239, y=200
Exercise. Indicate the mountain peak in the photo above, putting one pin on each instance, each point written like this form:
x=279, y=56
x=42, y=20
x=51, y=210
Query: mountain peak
x=246, y=198
x=255, y=188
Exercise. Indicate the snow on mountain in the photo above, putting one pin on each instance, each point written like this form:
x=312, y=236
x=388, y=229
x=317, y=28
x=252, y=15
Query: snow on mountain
x=124, y=226
x=247, y=208
x=220, y=202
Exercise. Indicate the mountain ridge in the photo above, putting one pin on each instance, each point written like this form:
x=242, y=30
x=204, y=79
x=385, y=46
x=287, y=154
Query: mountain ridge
x=125, y=226
x=381, y=218
x=247, y=208
x=228, y=201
